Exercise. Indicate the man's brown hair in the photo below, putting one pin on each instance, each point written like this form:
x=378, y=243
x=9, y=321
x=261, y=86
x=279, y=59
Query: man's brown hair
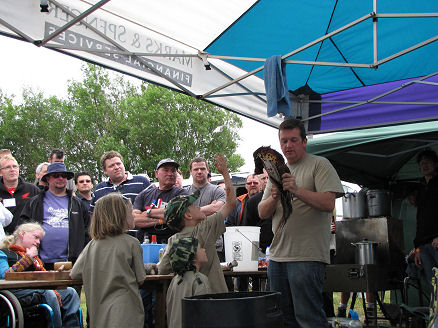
x=198, y=160
x=108, y=155
x=292, y=123
x=429, y=154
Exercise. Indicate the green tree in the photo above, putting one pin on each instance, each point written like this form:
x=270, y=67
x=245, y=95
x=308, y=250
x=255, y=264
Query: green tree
x=144, y=123
x=31, y=129
x=169, y=124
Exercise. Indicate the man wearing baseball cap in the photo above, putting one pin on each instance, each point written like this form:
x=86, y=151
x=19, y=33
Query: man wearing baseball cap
x=150, y=203
x=63, y=217
x=149, y=214
x=186, y=218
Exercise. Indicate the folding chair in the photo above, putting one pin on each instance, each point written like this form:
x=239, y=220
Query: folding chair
x=420, y=316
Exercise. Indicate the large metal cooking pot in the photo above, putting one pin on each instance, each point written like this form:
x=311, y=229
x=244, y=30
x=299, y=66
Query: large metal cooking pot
x=365, y=252
x=379, y=203
x=354, y=205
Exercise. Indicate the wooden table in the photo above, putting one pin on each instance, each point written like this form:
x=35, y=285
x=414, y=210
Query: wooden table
x=259, y=273
x=38, y=284
x=158, y=283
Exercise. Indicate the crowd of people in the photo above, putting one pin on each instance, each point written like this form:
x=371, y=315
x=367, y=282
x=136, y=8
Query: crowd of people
x=63, y=217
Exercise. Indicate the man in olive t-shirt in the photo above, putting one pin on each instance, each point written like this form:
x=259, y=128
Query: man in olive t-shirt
x=300, y=249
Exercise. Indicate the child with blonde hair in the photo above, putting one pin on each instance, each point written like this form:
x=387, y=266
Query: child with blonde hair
x=19, y=252
x=111, y=266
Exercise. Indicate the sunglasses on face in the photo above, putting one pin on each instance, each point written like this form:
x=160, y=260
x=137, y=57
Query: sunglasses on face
x=57, y=175
x=84, y=181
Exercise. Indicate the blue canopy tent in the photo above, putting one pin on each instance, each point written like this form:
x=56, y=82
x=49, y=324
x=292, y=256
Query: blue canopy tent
x=215, y=51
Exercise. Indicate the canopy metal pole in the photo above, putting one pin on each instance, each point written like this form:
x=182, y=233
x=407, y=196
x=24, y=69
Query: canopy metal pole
x=145, y=63
x=426, y=82
x=299, y=62
x=329, y=35
x=370, y=100
x=148, y=54
x=72, y=22
x=409, y=15
x=374, y=102
x=17, y=31
x=255, y=94
x=119, y=52
x=394, y=154
x=239, y=94
x=375, y=44
x=403, y=52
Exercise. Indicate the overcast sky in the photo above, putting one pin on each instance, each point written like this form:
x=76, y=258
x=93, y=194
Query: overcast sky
x=24, y=65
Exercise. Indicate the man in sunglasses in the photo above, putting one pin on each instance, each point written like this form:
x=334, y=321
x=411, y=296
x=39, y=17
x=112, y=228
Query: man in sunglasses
x=58, y=155
x=64, y=218
x=84, y=187
x=238, y=215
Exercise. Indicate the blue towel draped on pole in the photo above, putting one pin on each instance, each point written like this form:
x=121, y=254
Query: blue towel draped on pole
x=277, y=92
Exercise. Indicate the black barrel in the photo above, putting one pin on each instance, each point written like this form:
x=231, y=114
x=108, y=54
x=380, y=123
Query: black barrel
x=230, y=310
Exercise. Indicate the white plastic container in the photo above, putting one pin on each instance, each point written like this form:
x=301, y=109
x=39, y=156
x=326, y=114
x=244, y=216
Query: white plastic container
x=241, y=244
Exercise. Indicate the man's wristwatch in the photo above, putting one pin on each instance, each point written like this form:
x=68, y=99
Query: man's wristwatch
x=148, y=212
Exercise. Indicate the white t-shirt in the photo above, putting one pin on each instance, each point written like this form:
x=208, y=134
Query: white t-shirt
x=5, y=219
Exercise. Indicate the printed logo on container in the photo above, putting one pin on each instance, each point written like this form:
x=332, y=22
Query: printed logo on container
x=237, y=251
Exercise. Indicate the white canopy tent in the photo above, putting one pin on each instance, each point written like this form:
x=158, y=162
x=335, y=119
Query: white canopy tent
x=166, y=42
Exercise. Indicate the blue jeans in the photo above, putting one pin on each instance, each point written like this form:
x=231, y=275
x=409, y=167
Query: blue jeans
x=70, y=304
x=300, y=284
x=429, y=258
x=148, y=299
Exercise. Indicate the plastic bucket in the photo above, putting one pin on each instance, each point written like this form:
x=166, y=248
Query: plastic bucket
x=151, y=252
x=231, y=310
x=241, y=244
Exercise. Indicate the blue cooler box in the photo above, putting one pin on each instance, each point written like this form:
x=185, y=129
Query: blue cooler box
x=151, y=252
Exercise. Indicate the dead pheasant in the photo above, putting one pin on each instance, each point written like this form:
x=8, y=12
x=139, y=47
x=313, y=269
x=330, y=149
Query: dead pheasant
x=273, y=162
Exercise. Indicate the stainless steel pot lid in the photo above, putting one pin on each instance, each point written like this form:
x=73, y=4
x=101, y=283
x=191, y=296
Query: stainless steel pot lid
x=365, y=242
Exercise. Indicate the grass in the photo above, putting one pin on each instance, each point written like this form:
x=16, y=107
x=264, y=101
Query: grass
x=358, y=307
x=83, y=307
